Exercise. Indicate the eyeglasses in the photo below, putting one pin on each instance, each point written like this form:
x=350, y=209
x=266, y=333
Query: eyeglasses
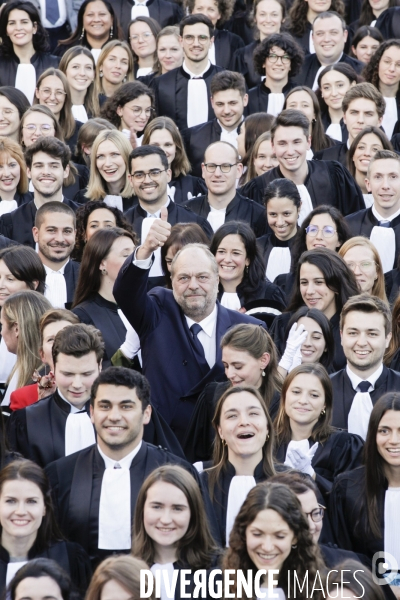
x=202, y=39
x=137, y=110
x=317, y=514
x=46, y=92
x=144, y=36
x=364, y=266
x=42, y=128
x=154, y=174
x=327, y=231
x=273, y=58
x=225, y=167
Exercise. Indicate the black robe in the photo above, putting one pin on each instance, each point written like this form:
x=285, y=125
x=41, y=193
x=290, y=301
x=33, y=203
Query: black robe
x=9, y=66
x=165, y=13
x=279, y=334
x=311, y=65
x=185, y=185
x=326, y=121
x=343, y=393
x=71, y=557
x=171, y=94
x=259, y=96
x=341, y=452
x=392, y=285
x=337, y=152
x=17, y=225
x=363, y=221
x=76, y=486
x=327, y=182
x=266, y=290
x=242, y=62
x=388, y=23
x=238, y=209
x=226, y=44
x=81, y=179
x=286, y=282
x=269, y=241
x=21, y=198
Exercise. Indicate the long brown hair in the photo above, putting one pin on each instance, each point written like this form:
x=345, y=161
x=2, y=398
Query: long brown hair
x=220, y=451
x=91, y=102
x=180, y=165
x=66, y=119
x=196, y=547
x=322, y=429
x=123, y=569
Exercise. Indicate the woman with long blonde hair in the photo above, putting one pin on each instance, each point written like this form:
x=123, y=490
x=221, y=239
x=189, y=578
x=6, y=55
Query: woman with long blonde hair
x=114, y=67
x=361, y=256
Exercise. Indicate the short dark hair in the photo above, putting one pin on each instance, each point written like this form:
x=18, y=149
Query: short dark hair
x=120, y=376
x=25, y=265
x=287, y=44
x=53, y=207
x=367, y=304
x=369, y=92
x=193, y=20
x=77, y=341
x=16, y=97
x=383, y=155
x=328, y=14
x=227, y=80
x=51, y=146
x=43, y=567
x=291, y=118
x=148, y=151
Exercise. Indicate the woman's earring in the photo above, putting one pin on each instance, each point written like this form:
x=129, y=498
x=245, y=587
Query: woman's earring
x=294, y=546
x=223, y=442
x=263, y=373
x=104, y=271
x=111, y=32
x=101, y=73
x=82, y=34
x=323, y=411
x=246, y=269
x=124, y=79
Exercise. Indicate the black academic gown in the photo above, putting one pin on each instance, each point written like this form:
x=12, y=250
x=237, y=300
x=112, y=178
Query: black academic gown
x=341, y=452
x=388, y=23
x=226, y=44
x=81, y=179
x=303, y=40
x=197, y=139
x=326, y=121
x=243, y=63
x=127, y=203
x=76, y=486
x=187, y=186
x=21, y=198
x=171, y=94
x=71, y=557
x=259, y=96
x=279, y=334
x=9, y=66
x=71, y=274
x=338, y=186
x=265, y=291
x=363, y=221
x=17, y=225
x=343, y=393
x=238, y=209
x=267, y=242
x=392, y=286
x=165, y=13
x=311, y=65
x=337, y=152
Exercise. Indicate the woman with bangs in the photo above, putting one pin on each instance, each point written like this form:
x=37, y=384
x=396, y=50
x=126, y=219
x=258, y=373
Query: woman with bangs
x=163, y=132
x=79, y=67
x=13, y=178
x=108, y=180
x=114, y=67
x=305, y=439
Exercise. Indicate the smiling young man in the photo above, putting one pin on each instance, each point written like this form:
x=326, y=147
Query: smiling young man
x=47, y=163
x=365, y=329
x=95, y=490
x=290, y=142
x=381, y=222
x=222, y=202
x=229, y=100
x=183, y=94
x=59, y=425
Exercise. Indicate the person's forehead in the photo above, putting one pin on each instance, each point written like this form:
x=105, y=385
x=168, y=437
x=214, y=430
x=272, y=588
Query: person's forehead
x=220, y=153
x=385, y=165
x=292, y=132
x=43, y=157
x=57, y=219
x=327, y=24
x=115, y=393
x=362, y=104
x=146, y=162
x=196, y=29
x=193, y=260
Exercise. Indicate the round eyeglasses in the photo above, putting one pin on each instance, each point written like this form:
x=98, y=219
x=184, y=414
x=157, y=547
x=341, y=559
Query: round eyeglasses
x=317, y=514
x=273, y=58
x=364, y=265
x=225, y=167
x=327, y=231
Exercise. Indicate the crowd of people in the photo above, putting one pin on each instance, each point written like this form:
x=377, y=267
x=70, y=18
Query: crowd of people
x=199, y=298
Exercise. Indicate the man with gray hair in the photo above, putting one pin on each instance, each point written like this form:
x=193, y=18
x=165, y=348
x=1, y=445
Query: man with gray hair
x=179, y=330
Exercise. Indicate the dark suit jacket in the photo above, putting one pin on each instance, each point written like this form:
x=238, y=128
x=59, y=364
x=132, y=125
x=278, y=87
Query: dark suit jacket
x=169, y=360
x=311, y=65
x=71, y=274
x=9, y=66
x=337, y=152
x=197, y=139
x=226, y=43
x=165, y=13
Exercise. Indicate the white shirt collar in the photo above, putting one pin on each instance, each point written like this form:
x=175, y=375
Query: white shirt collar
x=356, y=380
x=37, y=207
x=124, y=462
x=196, y=75
x=234, y=131
x=157, y=214
x=380, y=218
x=74, y=409
x=48, y=270
x=207, y=324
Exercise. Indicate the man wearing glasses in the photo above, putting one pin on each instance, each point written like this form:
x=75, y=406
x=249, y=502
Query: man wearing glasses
x=183, y=94
x=222, y=202
x=329, y=35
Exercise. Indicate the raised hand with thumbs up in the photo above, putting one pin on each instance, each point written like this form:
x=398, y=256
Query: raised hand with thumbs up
x=158, y=234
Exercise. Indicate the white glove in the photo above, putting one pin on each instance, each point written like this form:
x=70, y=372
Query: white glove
x=131, y=345
x=297, y=336
x=299, y=459
x=297, y=359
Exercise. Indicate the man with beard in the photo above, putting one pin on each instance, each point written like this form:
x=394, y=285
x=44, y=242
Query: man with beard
x=54, y=234
x=47, y=163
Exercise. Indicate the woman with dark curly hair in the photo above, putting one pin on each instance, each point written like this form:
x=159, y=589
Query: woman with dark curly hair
x=365, y=43
x=301, y=16
x=130, y=108
x=273, y=511
x=279, y=59
x=23, y=58
x=383, y=71
x=97, y=24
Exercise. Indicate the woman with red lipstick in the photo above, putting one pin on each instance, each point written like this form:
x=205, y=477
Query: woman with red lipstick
x=28, y=528
x=305, y=439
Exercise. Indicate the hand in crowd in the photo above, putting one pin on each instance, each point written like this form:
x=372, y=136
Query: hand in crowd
x=158, y=234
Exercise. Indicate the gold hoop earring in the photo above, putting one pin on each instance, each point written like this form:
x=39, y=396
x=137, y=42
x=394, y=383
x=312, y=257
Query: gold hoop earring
x=323, y=411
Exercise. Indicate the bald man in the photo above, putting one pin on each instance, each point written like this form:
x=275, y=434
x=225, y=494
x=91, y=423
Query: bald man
x=179, y=330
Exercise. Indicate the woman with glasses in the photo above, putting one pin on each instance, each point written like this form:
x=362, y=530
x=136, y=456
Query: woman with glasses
x=114, y=67
x=143, y=32
x=79, y=68
x=305, y=439
x=364, y=146
x=277, y=58
x=363, y=259
x=130, y=109
x=24, y=54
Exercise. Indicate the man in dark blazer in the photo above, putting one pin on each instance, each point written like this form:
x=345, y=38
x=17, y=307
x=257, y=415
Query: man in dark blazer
x=329, y=37
x=54, y=233
x=179, y=330
x=165, y=13
x=365, y=331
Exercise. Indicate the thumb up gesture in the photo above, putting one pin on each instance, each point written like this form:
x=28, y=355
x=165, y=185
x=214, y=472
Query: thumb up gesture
x=158, y=234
